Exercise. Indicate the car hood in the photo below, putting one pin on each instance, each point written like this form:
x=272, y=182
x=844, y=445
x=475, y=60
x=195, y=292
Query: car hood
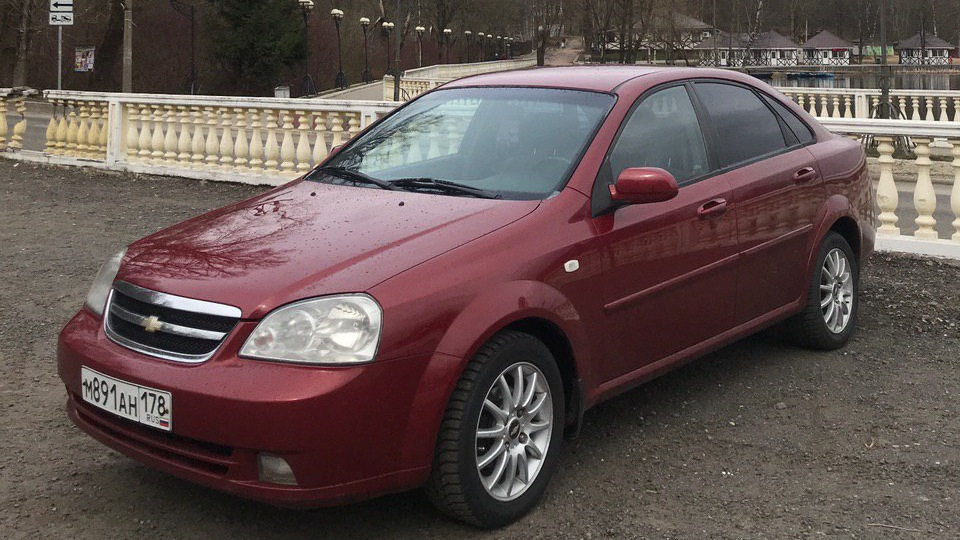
x=308, y=239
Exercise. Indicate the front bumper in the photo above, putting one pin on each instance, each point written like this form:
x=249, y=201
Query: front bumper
x=348, y=432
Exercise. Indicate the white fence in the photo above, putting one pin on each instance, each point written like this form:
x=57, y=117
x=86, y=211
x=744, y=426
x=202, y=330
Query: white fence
x=251, y=140
x=925, y=239
x=929, y=105
x=13, y=99
x=417, y=81
x=269, y=141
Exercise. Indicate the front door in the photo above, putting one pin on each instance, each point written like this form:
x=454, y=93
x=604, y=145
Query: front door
x=669, y=272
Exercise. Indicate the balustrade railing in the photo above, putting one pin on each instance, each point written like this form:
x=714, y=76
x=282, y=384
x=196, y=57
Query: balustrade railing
x=254, y=140
x=930, y=236
x=929, y=105
x=417, y=81
x=13, y=100
x=269, y=141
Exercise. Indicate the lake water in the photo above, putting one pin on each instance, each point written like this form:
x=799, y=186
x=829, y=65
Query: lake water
x=905, y=81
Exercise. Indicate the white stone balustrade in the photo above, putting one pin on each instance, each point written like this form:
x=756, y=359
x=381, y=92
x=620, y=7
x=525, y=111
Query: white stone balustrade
x=78, y=129
x=4, y=93
x=926, y=239
x=270, y=141
x=929, y=105
x=251, y=140
x=418, y=81
x=12, y=100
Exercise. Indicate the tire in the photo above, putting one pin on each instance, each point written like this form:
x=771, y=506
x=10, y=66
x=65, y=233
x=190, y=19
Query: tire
x=458, y=486
x=830, y=315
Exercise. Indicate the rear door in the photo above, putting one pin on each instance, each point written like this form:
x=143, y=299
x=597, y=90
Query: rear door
x=777, y=190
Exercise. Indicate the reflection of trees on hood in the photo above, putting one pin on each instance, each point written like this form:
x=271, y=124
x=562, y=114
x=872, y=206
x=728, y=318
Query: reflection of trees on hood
x=224, y=246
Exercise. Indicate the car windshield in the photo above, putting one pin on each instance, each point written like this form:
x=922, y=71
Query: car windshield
x=510, y=143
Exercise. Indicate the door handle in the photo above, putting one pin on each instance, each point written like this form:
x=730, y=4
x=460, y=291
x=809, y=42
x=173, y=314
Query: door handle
x=804, y=175
x=712, y=209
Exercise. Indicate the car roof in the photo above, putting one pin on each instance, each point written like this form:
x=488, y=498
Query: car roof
x=596, y=78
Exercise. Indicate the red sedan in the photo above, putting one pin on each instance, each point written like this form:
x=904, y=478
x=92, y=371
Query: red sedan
x=438, y=303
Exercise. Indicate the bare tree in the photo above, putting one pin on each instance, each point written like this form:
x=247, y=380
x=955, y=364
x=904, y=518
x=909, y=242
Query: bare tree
x=27, y=12
x=443, y=13
x=867, y=17
x=600, y=15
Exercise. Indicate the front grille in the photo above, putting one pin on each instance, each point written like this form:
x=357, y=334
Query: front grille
x=167, y=326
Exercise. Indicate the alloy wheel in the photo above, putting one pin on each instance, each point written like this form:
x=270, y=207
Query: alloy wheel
x=836, y=291
x=513, y=431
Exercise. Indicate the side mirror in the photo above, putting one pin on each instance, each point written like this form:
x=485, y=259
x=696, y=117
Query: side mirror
x=643, y=185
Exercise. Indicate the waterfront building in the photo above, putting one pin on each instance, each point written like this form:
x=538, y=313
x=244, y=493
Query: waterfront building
x=925, y=49
x=826, y=49
x=672, y=37
x=768, y=48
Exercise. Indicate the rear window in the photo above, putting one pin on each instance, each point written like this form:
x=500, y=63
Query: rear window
x=800, y=130
x=746, y=128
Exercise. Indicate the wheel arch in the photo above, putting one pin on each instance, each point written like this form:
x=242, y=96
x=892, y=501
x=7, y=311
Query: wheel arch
x=835, y=215
x=557, y=341
x=847, y=227
x=537, y=309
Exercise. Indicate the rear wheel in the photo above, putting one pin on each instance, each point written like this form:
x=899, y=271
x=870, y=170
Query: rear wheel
x=501, y=435
x=830, y=315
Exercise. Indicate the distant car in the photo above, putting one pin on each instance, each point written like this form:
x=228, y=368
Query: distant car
x=438, y=303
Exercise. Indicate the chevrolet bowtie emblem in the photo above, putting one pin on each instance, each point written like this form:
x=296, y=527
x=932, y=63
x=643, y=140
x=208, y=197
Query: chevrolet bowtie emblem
x=152, y=323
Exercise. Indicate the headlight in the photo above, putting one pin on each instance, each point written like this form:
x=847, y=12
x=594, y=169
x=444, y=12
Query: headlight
x=330, y=330
x=97, y=297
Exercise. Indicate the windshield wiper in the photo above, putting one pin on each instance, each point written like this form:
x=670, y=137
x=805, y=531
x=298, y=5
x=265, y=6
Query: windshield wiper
x=357, y=176
x=445, y=186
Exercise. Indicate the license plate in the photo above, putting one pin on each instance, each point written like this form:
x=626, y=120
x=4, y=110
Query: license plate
x=131, y=401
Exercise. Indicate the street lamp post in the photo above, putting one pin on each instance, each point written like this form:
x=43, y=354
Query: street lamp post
x=127, y=76
x=446, y=43
x=367, y=76
x=341, y=80
x=307, y=86
x=419, y=30
x=499, y=47
x=490, y=40
x=885, y=104
x=466, y=43
x=480, y=38
x=387, y=30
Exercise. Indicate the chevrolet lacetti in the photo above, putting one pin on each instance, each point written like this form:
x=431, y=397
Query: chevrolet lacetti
x=439, y=301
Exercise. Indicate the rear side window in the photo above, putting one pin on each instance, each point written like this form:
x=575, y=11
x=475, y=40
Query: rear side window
x=797, y=126
x=746, y=128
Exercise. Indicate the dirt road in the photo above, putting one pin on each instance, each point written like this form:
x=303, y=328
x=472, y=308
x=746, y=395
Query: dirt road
x=758, y=440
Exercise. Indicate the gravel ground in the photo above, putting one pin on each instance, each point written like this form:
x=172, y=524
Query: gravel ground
x=758, y=440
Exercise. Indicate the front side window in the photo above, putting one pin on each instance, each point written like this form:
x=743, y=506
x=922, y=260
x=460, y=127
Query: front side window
x=746, y=129
x=511, y=143
x=663, y=131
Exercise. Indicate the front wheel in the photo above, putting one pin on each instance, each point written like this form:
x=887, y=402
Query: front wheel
x=501, y=435
x=830, y=315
